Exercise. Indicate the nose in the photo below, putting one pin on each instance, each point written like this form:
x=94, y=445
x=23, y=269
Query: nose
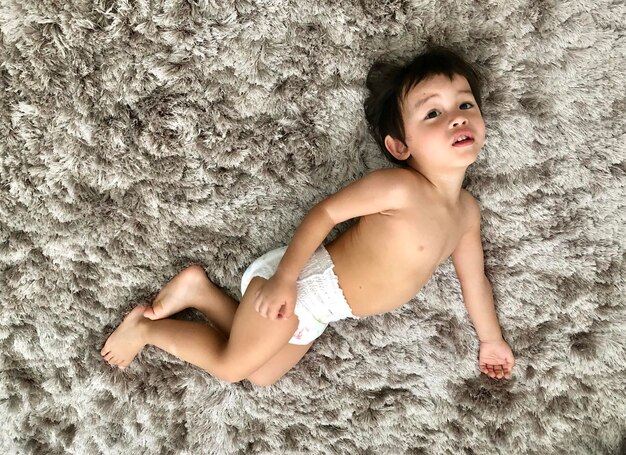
x=459, y=121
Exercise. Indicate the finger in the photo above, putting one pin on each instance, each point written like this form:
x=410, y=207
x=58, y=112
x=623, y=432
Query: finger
x=483, y=369
x=284, y=313
x=272, y=313
x=280, y=313
x=259, y=301
x=277, y=314
x=491, y=373
x=498, y=371
x=511, y=362
x=507, y=371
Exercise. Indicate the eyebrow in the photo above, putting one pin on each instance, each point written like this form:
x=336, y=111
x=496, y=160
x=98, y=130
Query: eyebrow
x=423, y=100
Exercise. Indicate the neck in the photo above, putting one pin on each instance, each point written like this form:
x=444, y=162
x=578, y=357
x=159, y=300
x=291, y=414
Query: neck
x=445, y=183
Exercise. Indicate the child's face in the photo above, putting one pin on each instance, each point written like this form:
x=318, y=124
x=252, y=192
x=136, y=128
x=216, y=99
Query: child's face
x=430, y=127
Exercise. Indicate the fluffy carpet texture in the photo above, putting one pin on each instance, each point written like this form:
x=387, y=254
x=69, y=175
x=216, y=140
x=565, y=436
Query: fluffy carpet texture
x=140, y=137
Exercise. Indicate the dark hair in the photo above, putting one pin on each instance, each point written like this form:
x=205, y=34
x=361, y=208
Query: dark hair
x=388, y=84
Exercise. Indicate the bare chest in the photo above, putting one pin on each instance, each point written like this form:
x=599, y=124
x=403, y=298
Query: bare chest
x=384, y=259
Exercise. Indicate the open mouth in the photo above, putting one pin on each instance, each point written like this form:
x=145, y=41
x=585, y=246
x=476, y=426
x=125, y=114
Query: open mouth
x=464, y=138
x=463, y=142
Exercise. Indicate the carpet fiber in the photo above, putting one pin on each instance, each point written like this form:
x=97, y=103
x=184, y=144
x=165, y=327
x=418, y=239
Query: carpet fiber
x=141, y=137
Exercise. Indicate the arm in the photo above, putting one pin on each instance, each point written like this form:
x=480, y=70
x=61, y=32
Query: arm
x=309, y=235
x=478, y=298
x=383, y=189
x=477, y=293
x=495, y=358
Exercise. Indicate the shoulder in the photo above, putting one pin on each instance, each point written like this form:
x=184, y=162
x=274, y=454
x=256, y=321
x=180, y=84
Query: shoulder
x=401, y=184
x=401, y=181
x=398, y=174
x=380, y=191
x=471, y=209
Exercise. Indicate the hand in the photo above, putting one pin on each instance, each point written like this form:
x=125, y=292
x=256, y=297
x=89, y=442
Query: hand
x=276, y=298
x=495, y=359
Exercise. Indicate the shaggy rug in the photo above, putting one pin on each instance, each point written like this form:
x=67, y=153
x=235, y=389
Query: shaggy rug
x=140, y=137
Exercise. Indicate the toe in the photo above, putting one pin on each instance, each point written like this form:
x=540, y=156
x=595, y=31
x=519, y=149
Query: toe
x=149, y=313
x=108, y=356
x=157, y=308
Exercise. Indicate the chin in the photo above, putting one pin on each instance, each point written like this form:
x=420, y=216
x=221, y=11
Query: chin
x=469, y=150
x=468, y=156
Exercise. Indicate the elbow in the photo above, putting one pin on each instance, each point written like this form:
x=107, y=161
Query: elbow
x=485, y=281
x=320, y=211
x=477, y=283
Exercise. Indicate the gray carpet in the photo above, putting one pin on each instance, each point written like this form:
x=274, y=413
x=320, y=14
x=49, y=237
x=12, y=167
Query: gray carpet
x=139, y=137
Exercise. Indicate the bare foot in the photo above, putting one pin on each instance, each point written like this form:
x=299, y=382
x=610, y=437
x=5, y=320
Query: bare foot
x=127, y=340
x=183, y=291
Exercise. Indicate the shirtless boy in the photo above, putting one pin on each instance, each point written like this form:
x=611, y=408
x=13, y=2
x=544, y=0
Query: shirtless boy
x=411, y=219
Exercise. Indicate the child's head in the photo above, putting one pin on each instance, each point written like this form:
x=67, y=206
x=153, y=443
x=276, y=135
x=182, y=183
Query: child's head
x=404, y=129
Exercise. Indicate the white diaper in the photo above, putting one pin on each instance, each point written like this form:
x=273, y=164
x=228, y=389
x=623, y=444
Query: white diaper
x=319, y=299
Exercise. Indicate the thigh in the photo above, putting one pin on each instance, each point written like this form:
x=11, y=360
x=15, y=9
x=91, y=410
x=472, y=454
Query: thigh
x=281, y=363
x=254, y=339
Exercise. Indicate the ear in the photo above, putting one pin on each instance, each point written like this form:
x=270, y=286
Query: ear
x=396, y=147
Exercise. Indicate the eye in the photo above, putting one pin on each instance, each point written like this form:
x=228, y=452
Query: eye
x=435, y=110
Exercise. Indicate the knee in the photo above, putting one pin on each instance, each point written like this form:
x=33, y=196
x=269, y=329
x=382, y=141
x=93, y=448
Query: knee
x=227, y=372
x=261, y=382
x=264, y=378
x=232, y=377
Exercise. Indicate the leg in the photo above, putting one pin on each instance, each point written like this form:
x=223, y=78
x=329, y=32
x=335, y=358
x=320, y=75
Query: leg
x=253, y=340
x=194, y=342
x=192, y=288
x=276, y=367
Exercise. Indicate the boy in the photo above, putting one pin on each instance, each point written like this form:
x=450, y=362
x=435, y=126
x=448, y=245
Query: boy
x=426, y=117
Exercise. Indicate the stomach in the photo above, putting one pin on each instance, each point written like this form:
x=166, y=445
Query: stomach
x=379, y=271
